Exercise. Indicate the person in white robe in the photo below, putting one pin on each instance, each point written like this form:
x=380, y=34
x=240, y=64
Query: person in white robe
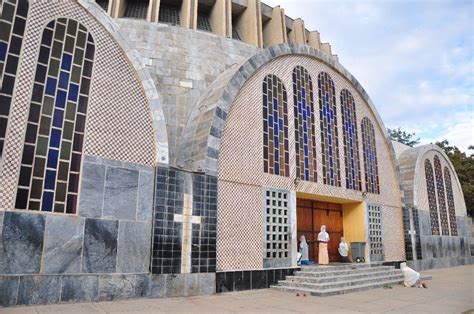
x=323, y=238
x=411, y=278
x=304, y=251
x=343, y=251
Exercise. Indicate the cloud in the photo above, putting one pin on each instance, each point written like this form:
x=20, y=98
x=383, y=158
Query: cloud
x=414, y=58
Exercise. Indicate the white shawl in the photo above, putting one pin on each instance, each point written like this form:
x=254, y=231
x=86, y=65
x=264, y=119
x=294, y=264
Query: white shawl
x=411, y=276
x=323, y=235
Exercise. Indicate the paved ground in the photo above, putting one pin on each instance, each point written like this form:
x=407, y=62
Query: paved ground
x=450, y=291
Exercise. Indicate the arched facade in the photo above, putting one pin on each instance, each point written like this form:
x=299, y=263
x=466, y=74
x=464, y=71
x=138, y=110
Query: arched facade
x=434, y=206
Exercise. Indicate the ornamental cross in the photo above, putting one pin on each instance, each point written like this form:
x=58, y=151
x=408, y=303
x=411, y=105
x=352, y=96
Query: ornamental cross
x=187, y=219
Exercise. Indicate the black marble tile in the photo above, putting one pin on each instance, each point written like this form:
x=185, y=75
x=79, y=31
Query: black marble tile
x=258, y=279
x=8, y=290
x=100, y=246
x=22, y=243
x=80, y=288
x=39, y=289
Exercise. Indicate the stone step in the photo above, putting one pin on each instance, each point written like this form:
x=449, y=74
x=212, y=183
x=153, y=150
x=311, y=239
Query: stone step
x=337, y=291
x=308, y=273
x=311, y=279
x=342, y=284
x=318, y=268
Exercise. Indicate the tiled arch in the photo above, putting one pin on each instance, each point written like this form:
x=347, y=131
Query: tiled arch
x=201, y=153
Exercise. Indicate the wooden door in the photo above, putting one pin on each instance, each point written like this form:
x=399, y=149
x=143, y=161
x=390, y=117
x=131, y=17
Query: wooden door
x=311, y=215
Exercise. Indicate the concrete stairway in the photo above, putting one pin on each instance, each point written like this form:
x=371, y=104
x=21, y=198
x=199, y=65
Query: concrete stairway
x=340, y=279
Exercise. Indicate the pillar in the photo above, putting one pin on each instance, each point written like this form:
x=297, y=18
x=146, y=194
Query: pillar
x=249, y=24
x=221, y=19
x=189, y=14
x=298, y=33
x=274, y=31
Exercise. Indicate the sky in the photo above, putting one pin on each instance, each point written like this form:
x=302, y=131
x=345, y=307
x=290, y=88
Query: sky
x=414, y=58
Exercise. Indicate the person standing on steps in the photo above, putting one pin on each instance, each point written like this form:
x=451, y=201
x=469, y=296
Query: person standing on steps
x=323, y=238
x=343, y=251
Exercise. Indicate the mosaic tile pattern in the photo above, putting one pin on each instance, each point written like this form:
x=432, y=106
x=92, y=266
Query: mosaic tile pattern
x=370, y=157
x=443, y=214
x=184, y=200
x=430, y=186
x=375, y=232
x=351, y=141
x=329, y=130
x=52, y=153
x=450, y=198
x=275, y=127
x=169, y=14
x=12, y=26
x=277, y=225
x=305, y=134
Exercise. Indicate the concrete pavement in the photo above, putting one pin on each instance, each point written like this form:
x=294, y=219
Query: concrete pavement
x=450, y=291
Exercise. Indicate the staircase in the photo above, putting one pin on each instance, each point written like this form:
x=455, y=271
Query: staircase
x=340, y=279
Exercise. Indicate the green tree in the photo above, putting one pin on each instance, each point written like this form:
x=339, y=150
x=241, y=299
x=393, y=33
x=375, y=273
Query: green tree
x=403, y=137
x=464, y=166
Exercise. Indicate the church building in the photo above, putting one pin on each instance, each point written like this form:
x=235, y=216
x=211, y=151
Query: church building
x=160, y=148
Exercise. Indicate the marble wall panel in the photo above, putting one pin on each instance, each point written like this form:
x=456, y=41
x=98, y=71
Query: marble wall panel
x=80, y=288
x=63, y=244
x=100, y=246
x=39, y=290
x=134, y=247
x=120, y=196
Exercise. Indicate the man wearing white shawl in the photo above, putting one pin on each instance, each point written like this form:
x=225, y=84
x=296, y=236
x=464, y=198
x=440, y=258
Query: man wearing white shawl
x=412, y=278
x=323, y=238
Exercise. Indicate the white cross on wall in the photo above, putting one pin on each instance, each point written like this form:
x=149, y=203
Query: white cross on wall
x=188, y=220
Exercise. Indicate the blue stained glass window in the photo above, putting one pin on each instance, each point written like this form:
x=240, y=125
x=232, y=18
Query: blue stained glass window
x=305, y=135
x=53, y=158
x=73, y=92
x=329, y=130
x=56, y=134
x=3, y=51
x=66, y=63
x=51, y=86
x=275, y=121
x=351, y=141
x=370, y=157
x=48, y=201
x=63, y=79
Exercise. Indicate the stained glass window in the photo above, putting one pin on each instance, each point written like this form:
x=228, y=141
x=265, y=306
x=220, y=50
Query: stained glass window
x=305, y=135
x=49, y=173
x=329, y=133
x=443, y=214
x=351, y=141
x=12, y=27
x=275, y=127
x=430, y=189
x=450, y=197
x=370, y=157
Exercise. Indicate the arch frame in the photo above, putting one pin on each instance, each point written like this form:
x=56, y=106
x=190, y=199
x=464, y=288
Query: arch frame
x=201, y=152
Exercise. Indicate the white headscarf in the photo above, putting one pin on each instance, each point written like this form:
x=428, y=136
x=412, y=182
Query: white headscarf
x=411, y=276
x=303, y=248
x=343, y=247
x=323, y=235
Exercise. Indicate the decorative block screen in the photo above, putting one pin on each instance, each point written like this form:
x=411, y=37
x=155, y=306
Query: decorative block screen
x=305, y=134
x=277, y=224
x=329, y=130
x=136, y=9
x=169, y=15
x=374, y=214
x=351, y=141
x=51, y=160
x=203, y=22
x=275, y=127
x=12, y=27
